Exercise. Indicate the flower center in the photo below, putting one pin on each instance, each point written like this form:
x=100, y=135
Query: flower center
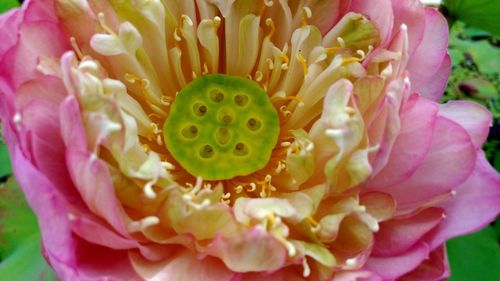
x=221, y=126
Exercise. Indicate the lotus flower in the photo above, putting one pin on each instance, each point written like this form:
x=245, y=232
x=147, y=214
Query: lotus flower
x=241, y=140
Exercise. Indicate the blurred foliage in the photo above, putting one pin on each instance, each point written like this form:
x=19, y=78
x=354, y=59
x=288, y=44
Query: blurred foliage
x=482, y=14
x=475, y=76
x=475, y=52
x=8, y=4
x=475, y=257
x=20, y=253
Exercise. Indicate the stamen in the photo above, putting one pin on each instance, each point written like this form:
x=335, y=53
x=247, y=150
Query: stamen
x=303, y=62
x=148, y=189
x=286, y=113
x=205, y=69
x=144, y=223
x=238, y=189
x=252, y=188
x=166, y=101
x=306, y=14
x=341, y=42
x=217, y=22
x=307, y=269
x=258, y=76
x=332, y=50
x=350, y=59
x=270, y=23
x=102, y=22
x=76, y=48
x=177, y=37
x=270, y=64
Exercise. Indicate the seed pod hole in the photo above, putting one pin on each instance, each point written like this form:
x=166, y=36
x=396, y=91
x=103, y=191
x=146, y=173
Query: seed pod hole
x=240, y=149
x=199, y=109
x=223, y=136
x=216, y=95
x=253, y=124
x=241, y=100
x=190, y=132
x=207, y=151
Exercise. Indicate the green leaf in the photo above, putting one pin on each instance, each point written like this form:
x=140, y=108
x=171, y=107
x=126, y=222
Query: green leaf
x=6, y=5
x=20, y=253
x=475, y=256
x=483, y=14
x=484, y=55
x=5, y=169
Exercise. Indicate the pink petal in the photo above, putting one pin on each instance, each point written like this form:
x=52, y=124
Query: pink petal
x=418, y=120
x=36, y=39
x=412, y=14
x=475, y=118
x=393, y=267
x=449, y=162
x=9, y=24
x=398, y=235
x=433, y=88
x=476, y=203
x=47, y=204
x=89, y=174
x=380, y=12
x=327, y=13
x=183, y=265
x=98, y=263
x=253, y=250
x=428, y=58
x=40, y=10
x=436, y=268
x=356, y=276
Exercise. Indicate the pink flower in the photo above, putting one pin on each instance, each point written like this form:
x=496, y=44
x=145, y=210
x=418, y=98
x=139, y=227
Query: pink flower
x=318, y=152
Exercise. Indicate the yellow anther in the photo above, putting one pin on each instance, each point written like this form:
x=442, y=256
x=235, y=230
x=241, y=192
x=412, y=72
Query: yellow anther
x=312, y=221
x=270, y=63
x=285, y=111
x=185, y=19
x=271, y=218
x=285, y=58
x=303, y=62
x=350, y=59
x=332, y=50
x=286, y=144
x=165, y=100
x=217, y=22
x=146, y=148
x=297, y=99
x=306, y=15
x=238, y=189
x=258, y=76
x=252, y=188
